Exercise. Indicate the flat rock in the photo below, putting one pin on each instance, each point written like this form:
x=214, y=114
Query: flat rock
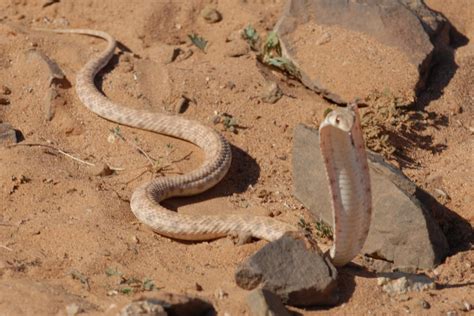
x=400, y=283
x=7, y=134
x=292, y=268
x=402, y=232
x=262, y=302
x=380, y=44
x=164, y=304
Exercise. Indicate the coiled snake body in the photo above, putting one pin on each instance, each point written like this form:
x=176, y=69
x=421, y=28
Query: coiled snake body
x=341, y=145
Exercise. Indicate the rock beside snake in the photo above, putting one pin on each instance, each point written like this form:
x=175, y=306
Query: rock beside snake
x=342, y=147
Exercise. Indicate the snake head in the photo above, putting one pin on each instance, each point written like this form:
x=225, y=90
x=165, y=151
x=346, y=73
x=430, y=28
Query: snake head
x=341, y=118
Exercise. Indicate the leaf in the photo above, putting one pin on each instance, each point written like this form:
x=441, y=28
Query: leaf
x=252, y=37
x=148, y=285
x=284, y=64
x=198, y=41
x=126, y=290
x=112, y=271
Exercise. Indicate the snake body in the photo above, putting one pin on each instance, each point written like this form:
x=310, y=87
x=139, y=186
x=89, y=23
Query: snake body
x=341, y=144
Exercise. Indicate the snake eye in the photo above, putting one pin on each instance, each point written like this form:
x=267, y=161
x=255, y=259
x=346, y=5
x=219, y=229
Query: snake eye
x=337, y=120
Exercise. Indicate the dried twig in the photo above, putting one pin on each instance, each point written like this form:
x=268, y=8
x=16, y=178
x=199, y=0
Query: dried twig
x=56, y=149
x=5, y=247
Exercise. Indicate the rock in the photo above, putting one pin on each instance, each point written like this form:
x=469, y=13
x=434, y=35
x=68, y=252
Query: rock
x=292, y=268
x=272, y=93
x=401, y=231
x=400, y=283
x=211, y=15
x=5, y=90
x=163, y=54
x=264, y=303
x=7, y=135
x=146, y=307
x=379, y=44
x=236, y=48
x=4, y=101
x=73, y=309
x=164, y=304
x=424, y=304
x=101, y=169
x=182, y=104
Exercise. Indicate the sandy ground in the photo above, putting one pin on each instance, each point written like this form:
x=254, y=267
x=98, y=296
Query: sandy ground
x=65, y=232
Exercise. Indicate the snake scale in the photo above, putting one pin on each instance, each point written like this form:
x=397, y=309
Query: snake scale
x=341, y=144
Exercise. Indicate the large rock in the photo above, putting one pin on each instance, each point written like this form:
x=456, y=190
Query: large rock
x=292, y=268
x=401, y=232
x=349, y=49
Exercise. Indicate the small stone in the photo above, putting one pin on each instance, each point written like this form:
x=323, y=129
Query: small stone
x=5, y=90
x=146, y=307
x=73, y=309
x=101, y=170
x=4, y=101
x=230, y=85
x=198, y=287
x=424, y=304
x=272, y=93
x=451, y=313
x=182, y=104
x=263, y=302
x=220, y=294
x=112, y=293
x=7, y=135
x=465, y=306
x=211, y=15
x=236, y=49
x=292, y=268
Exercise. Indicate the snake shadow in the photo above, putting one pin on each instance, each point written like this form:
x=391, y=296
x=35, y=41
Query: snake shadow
x=244, y=172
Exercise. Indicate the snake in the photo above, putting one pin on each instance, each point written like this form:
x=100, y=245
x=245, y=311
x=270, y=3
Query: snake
x=342, y=148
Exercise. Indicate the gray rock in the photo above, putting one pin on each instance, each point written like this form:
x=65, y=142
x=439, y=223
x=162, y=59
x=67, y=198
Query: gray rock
x=145, y=307
x=163, y=304
x=262, y=302
x=402, y=232
x=292, y=268
x=400, y=283
x=407, y=25
x=7, y=134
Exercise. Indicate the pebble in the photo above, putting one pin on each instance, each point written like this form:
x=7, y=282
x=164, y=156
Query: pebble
x=236, y=49
x=101, y=170
x=73, y=309
x=272, y=93
x=4, y=101
x=146, y=307
x=424, y=304
x=211, y=15
x=7, y=134
x=182, y=104
x=220, y=294
x=5, y=90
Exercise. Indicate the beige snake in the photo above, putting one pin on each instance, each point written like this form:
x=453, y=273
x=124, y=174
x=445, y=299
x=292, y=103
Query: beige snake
x=341, y=145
